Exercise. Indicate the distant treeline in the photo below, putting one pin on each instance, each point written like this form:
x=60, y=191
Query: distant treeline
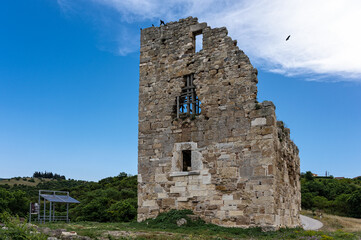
x=334, y=196
x=115, y=198
x=48, y=175
x=111, y=199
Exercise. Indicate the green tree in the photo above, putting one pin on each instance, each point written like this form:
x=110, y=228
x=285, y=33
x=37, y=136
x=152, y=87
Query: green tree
x=354, y=202
x=306, y=200
x=340, y=204
x=125, y=210
x=320, y=202
x=309, y=176
x=13, y=202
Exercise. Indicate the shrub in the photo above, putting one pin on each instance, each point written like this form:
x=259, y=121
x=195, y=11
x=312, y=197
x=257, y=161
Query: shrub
x=14, y=229
x=169, y=219
x=309, y=176
x=125, y=210
x=14, y=202
x=320, y=202
x=354, y=202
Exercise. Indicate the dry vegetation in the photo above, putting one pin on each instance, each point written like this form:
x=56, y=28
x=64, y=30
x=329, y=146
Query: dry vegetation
x=27, y=181
x=333, y=223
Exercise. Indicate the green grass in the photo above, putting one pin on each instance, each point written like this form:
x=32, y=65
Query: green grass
x=207, y=231
x=165, y=227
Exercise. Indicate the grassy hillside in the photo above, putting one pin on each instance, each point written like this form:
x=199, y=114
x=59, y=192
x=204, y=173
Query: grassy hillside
x=110, y=199
x=26, y=181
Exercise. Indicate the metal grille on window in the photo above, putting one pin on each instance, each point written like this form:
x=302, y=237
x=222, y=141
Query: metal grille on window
x=188, y=102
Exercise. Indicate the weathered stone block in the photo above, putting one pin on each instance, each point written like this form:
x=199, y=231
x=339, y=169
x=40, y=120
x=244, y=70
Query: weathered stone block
x=161, y=178
x=259, y=122
x=235, y=213
x=227, y=197
x=149, y=203
x=177, y=189
x=182, y=199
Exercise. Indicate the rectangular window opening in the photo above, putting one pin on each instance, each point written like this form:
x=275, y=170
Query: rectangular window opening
x=187, y=160
x=198, y=42
x=188, y=102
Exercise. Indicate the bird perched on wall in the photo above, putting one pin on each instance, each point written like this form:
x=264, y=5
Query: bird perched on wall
x=162, y=22
x=152, y=25
x=288, y=37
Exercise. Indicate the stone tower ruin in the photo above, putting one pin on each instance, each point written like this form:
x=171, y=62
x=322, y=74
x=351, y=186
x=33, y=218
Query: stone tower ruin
x=205, y=143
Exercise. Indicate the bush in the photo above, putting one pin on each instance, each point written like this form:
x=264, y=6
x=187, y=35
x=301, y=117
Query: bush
x=169, y=219
x=334, y=196
x=341, y=205
x=95, y=210
x=16, y=230
x=123, y=211
x=320, y=202
x=354, y=202
x=306, y=200
x=309, y=176
x=14, y=202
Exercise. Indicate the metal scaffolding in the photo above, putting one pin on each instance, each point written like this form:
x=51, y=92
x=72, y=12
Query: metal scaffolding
x=53, y=197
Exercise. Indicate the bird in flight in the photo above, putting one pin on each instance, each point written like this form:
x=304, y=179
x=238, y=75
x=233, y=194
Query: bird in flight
x=288, y=37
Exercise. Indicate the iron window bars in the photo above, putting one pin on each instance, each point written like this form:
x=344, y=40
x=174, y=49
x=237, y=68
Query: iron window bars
x=188, y=102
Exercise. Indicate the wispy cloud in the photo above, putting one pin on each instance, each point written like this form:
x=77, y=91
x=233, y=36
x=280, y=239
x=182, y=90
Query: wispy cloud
x=325, y=39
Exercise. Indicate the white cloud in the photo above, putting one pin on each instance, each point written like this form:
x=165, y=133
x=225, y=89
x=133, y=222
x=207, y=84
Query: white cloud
x=325, y=36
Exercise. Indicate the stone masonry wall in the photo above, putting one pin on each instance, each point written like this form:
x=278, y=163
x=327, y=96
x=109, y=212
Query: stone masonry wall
x=245, y=170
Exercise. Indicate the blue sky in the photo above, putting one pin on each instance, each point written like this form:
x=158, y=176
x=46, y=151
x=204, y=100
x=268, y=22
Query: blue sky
x=69, y=79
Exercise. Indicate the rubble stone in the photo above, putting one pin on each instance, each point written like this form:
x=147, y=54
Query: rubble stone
x=181, y=222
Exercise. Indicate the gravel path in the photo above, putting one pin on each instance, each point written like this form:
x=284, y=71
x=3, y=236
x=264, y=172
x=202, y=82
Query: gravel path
x=310, y=223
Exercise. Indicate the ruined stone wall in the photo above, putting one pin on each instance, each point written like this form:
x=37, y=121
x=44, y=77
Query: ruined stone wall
x=239, y=164
x=288, y=186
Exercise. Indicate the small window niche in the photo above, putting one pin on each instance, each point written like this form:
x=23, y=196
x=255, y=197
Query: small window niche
x=198, y=41
x=187, y=160
x=188, y=104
